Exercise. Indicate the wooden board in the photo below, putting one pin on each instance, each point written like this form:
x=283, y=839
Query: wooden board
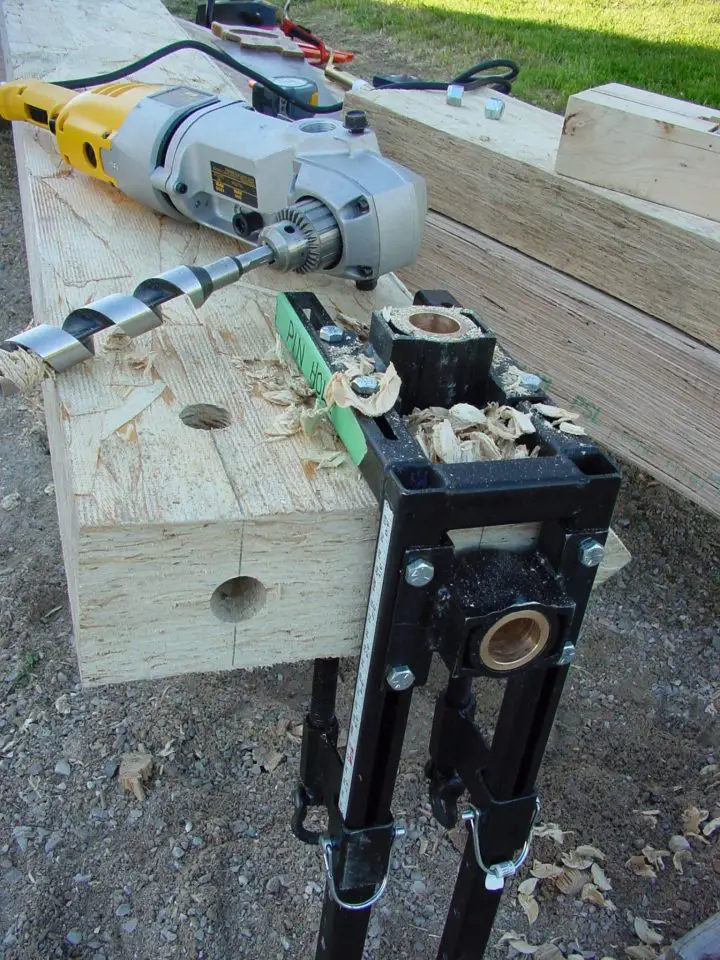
x=499, y=178
x=650, y=393
x=644, y=144
x=156, y=516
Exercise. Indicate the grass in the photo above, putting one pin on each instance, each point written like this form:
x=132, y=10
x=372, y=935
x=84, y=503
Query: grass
x=561, y=45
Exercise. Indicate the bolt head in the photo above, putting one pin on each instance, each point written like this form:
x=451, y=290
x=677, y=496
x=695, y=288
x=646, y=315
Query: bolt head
x=356, y=121
x=331, y=334
x=400, y=677
x=365, y=386
x=494, y=108
x=531, y=381
x=567, y=656
x=419, y=573
x=591, y=553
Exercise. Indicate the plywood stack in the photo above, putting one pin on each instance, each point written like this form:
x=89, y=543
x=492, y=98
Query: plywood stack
x=611, y=297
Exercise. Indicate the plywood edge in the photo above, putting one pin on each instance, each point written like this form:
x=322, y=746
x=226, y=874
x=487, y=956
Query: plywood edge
x=644, y=390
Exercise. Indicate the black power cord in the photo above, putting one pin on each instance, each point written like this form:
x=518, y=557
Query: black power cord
x=472, y=78
x=216, y=54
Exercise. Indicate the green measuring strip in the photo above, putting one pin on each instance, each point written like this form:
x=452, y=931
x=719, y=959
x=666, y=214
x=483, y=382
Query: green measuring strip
x=317, y=373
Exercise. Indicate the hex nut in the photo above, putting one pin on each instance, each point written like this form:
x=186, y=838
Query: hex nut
x=419, y=573
x=591, y=552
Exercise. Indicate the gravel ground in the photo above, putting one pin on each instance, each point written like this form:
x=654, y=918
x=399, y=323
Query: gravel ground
x=205, y=866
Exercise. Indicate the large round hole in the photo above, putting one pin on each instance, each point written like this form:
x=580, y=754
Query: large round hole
x=317, y=126
x=205, y=416
x=238, y=599
x=514, y=640
x=435, y=323
x=90, y=154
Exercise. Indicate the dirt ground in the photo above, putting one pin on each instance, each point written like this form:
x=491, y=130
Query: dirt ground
x=206, y=865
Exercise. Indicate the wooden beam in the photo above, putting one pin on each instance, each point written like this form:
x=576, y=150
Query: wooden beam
x=154, y=515
x=499, y=178
x=647, y=391
x=157, y=517
x=641, y=143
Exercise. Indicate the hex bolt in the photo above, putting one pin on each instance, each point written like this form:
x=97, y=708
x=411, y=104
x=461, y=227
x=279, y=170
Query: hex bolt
x=591, y=552
x=531, y=381
x=400, y=677
x=494, y=108
x=365, y=386
x=419, y=573
x=331, y=334
x=567, y=656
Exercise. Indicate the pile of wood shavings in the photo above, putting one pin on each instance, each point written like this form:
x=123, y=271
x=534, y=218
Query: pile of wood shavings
x=465, y=434
x=278, y=381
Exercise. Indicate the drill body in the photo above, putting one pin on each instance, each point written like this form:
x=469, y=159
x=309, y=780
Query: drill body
x=214, y=160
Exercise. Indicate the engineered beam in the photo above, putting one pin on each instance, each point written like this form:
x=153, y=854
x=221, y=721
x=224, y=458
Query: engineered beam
x=499, y=178
x=653, y=147
x=648, y=392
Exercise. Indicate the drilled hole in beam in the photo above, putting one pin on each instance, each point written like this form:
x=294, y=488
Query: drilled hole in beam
x=205, y=416
x=239, y=598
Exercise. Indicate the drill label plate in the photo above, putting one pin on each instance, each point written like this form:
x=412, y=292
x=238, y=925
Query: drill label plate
x=381, y=553
x=317, y=373
x=233, y=183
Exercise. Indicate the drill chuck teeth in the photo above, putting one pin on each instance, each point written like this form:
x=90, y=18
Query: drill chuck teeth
x=320, y=233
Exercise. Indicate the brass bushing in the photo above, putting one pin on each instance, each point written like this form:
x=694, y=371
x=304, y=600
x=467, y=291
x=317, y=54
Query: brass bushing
x=514, y=640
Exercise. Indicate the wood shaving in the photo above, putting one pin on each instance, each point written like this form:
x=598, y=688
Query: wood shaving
x=24, y=370
x=655, y=857
x=117, y=340
x=640, y=867
x=571, y=882
x=546, y=871
x=281, y=384
x=553, y=831
x=517, y=942
x=135, y=770
x=599, y=878
x=530, y=906
x=528, y=886
x=691, y=820
x=711, y=826
x=646, y=933
x=465, y=434
x=339, y=391
x=591, y=894
x=560, y=418
x=641, y=952
x=357, y=325
x=575, y=861
x=586, y=850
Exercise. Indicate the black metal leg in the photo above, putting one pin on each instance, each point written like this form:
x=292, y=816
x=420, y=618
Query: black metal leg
x=504, y=797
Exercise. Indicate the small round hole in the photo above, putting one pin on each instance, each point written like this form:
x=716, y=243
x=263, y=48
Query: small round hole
x=435, y=323
x=106, y=135
x=90, y=154
x=239, y=598
x=289, y=229
x=205, y=416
